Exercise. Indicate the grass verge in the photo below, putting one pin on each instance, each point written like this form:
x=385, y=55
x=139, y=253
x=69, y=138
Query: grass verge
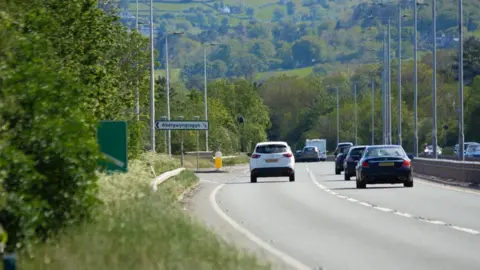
x=236, y=160
x=138, y=229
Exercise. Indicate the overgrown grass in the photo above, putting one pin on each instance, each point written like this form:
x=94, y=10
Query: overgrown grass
x=191, y=162
x=236, y=160
x=138, y=229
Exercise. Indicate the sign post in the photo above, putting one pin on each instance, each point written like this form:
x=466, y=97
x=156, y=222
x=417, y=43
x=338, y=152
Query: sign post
x=112, y=139
x=184, y=125
x=198, y=141
x=181, y=143
x=164, y=118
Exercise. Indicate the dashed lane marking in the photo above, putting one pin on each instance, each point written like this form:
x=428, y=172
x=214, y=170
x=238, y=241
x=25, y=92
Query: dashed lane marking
x=388, y=210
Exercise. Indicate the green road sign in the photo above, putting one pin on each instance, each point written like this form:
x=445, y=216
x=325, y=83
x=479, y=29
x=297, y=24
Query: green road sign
x=112, y=138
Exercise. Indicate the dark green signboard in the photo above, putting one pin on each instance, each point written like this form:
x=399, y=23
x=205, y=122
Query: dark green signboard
x=112, y=138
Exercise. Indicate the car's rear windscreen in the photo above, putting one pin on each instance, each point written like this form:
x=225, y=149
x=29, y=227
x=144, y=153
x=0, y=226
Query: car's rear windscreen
x=309, y=149
x=385, y=152
x=357, y=151
x=271, y=149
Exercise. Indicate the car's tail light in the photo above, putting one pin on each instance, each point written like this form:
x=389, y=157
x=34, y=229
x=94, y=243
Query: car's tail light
x=255, y=156
x=287, y=155
x=406, y=163
x=365, y=164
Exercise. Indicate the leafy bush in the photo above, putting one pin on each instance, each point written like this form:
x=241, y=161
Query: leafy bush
x=48, y=179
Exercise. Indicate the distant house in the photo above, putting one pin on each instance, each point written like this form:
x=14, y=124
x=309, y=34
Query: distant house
x=225, y=9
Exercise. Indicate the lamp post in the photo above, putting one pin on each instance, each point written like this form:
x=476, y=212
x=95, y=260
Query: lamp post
x=434, y=79
x=137, y=95
x=461, y=136
x=355, y=111
x=152, y=84
x=338, y=117
x=205, y=100
x=169, y=133
x=415, y=79
x=373, y=110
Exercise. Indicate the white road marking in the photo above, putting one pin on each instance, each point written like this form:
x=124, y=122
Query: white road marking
x=286, y=258
x=407, y=215
x=388, y=210
x=383, y=209
x=467, y=230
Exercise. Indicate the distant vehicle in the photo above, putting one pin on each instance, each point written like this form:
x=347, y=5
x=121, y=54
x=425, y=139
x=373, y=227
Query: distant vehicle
x=352, y=157
x=342, y=151
x=384, y=164
x=473, y=150
x=465, y=145
x=429, y=150
x=321, y=145
x=272, y=159
x=341, y=145
x=310, y=153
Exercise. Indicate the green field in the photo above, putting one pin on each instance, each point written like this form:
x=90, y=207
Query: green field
x=300, y=72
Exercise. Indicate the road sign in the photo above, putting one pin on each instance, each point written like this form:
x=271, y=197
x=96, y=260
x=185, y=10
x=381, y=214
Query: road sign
x=112, y=139
x=181, y=125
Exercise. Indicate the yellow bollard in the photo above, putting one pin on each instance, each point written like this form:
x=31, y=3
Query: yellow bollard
x=218, y=160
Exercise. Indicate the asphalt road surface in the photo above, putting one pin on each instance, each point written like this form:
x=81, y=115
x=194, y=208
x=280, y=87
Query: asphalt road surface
x=323, y=222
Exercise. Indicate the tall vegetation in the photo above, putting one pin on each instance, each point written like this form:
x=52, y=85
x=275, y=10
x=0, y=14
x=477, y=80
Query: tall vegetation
x=302, y=108
x=64, y=67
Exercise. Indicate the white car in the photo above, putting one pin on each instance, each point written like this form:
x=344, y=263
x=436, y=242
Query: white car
x=272, y=159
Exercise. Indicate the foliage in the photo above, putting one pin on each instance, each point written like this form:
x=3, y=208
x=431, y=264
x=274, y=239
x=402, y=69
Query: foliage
x=132, y=216
x=62, y=68
x=302, y=108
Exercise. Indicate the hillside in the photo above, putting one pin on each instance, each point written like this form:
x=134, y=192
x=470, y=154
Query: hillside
x=256, y=38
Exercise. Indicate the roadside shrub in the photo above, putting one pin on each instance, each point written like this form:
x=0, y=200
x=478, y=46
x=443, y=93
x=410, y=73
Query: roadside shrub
x=48, y=152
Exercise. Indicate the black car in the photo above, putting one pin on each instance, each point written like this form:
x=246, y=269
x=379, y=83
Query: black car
x=351, y=160
x=340, y=157
x=341, y=145
x=384, y=164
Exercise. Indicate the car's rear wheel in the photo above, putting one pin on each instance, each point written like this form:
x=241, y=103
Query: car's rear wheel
x=253, y=179
x=291, y=178
x=360, y=183
x=337, y=171
x=346, y=176
x=409, y=182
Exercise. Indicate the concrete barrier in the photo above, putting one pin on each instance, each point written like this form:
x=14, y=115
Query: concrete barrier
x=459, y=171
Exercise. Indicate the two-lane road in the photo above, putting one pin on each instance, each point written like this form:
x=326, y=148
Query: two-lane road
x=323, y=221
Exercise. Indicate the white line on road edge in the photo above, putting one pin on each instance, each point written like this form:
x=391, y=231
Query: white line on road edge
x=164, y=176
x=388, y=210
x=286, y=258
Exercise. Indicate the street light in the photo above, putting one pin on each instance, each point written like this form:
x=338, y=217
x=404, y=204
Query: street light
x=205, y=101
x=461, y=136
x=169, y=133
x=434, y=79
x=152, y=84
x=415, y=76
x=355, y=110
